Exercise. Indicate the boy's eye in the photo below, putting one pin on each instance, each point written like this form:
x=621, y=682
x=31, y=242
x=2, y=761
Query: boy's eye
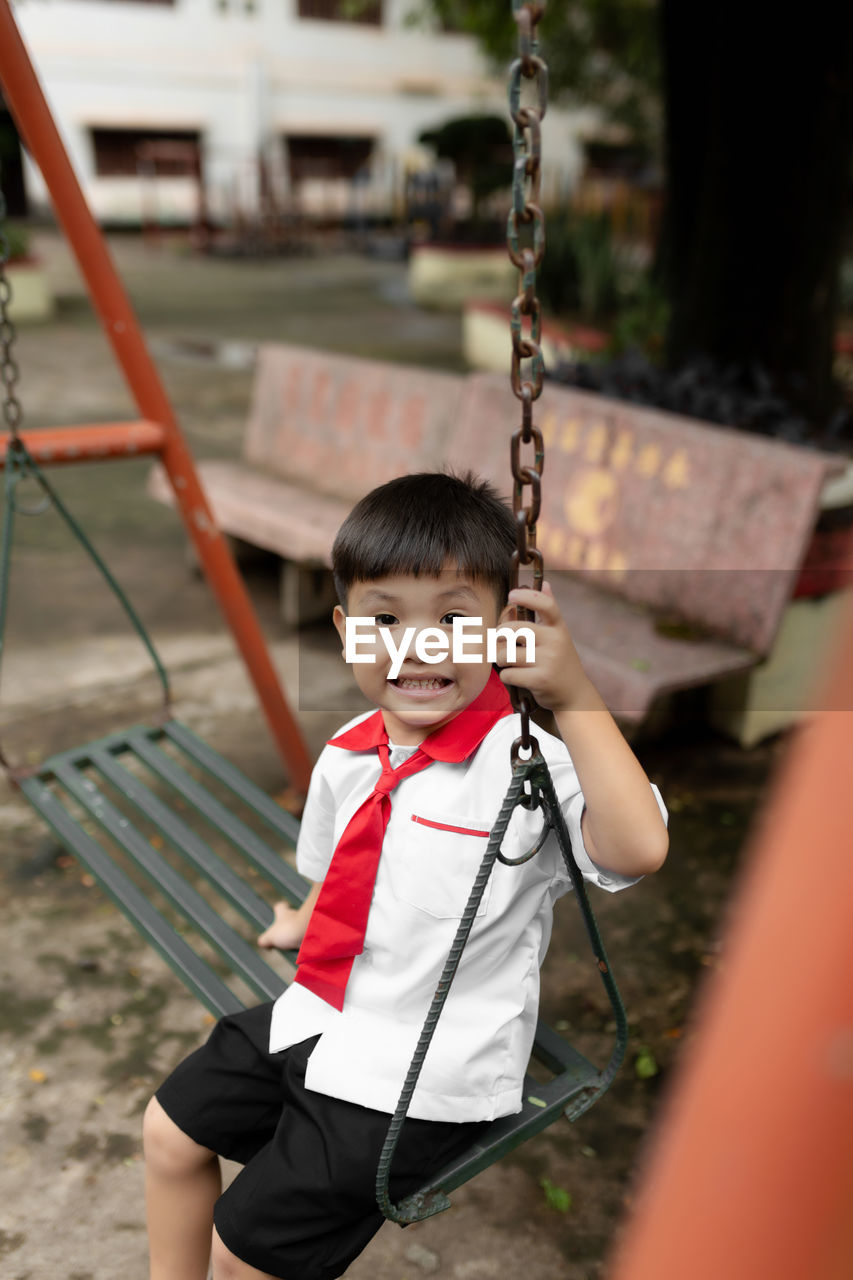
x=385, y=620
x=447, y=620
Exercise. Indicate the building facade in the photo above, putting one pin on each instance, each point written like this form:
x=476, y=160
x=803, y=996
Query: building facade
x=233, y=106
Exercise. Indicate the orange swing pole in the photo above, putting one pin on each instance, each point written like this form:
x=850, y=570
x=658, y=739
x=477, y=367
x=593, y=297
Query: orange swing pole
x=26, y=101
x=751, y=1176
x=88, y=442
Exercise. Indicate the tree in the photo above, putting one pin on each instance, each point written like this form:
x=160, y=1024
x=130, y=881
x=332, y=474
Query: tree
x=481, y=150
x=759, y=125
x=605, y=52
x=757, y=144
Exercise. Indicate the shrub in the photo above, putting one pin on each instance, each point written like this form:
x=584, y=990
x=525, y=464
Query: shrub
x=18, y=240
x=584, y=272
x=480, y=148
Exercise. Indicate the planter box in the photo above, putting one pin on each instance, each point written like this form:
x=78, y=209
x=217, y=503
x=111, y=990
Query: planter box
x=828, y=563
x=31, y=295
x=486, y=341
x=447, y=276
x=787, y=686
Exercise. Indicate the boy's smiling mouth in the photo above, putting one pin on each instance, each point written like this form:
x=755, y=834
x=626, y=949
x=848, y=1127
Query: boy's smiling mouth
x=421, y=684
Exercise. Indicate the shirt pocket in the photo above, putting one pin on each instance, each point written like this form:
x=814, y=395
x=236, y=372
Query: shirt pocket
x=440, y=856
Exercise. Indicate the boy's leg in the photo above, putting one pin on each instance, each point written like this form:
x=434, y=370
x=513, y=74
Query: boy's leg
x=304, y=1206
x=227, y=1266
x=182, y=1184
x=224, y=1098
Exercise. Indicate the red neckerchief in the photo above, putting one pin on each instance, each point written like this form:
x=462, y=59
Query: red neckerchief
x=335, y=933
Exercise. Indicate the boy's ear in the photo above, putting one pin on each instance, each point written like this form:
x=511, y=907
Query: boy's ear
x=340, y=620
x=507, y=614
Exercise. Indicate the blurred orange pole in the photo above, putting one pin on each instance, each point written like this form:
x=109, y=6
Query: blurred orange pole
x=26, y=101
x=751, y=1176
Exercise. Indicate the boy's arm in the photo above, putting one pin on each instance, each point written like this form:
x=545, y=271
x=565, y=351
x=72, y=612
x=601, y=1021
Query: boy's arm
x=313, y=853
x=622, y=825
x=288, y=928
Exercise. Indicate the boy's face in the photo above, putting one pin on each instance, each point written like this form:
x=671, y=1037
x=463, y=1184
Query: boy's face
x=422, y=695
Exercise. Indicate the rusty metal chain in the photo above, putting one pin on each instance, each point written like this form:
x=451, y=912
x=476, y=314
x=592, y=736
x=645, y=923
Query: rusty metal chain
x=18, y=461
x=526, y=220
x=8, y=367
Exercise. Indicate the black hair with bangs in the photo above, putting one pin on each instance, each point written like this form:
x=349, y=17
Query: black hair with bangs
x=419, y=524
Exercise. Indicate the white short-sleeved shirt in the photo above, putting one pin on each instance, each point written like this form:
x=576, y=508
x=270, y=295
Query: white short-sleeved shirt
x=434, y=844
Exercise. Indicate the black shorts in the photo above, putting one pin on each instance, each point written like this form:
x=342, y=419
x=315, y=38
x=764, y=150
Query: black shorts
x=304, y=1205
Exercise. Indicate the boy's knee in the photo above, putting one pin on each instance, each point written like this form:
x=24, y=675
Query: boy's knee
x=228, y=1267
x=167, y=1148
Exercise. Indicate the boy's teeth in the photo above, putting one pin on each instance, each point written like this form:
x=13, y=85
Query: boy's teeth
x=406, y=682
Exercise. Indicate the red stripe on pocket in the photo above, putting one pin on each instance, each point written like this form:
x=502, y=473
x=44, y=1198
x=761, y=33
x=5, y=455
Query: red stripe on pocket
x=444, y=826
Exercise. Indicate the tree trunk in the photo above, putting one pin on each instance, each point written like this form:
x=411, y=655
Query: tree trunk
x=759, y=123
x=11, y=167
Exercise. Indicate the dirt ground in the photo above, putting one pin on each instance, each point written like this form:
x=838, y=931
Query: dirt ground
x=91, y=1019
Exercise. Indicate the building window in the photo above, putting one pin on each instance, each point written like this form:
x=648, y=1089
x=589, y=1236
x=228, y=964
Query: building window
x=319, y=156
x=368, y=12
x=160, y=152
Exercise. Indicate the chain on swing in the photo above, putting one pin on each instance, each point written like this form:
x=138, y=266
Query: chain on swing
x=19, y=464
x=526, y=220
x=530, y=769
x=8, y=367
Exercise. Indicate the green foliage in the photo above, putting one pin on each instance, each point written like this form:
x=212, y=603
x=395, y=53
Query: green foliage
x=587, y=274
x=9, y=145
x=642, y=323
x=598, y=265
x=481, y=150
x=583, y=272
x=645, y=1064
x=555, y=1197
x=17, y=238
x=600, y=52
x=846, y=286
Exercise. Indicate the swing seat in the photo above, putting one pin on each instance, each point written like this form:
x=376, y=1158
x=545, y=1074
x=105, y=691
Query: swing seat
x=117, y=804
x=130, y=807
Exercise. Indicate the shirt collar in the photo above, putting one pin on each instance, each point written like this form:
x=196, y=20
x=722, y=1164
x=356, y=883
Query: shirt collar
x=454, y=741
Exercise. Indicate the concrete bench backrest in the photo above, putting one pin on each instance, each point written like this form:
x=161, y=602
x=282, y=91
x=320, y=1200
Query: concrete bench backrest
x=697, y=521
x=343, y=425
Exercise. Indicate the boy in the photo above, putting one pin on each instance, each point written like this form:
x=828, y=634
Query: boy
x=300, y=1091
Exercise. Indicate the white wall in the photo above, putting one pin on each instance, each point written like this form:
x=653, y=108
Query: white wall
x=243, y=80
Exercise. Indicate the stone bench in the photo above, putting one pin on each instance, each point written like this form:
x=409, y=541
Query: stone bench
x=672, y=546
x=322, y=431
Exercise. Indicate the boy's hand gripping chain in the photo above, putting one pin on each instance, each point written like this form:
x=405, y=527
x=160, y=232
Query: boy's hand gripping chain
x=530, y=770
